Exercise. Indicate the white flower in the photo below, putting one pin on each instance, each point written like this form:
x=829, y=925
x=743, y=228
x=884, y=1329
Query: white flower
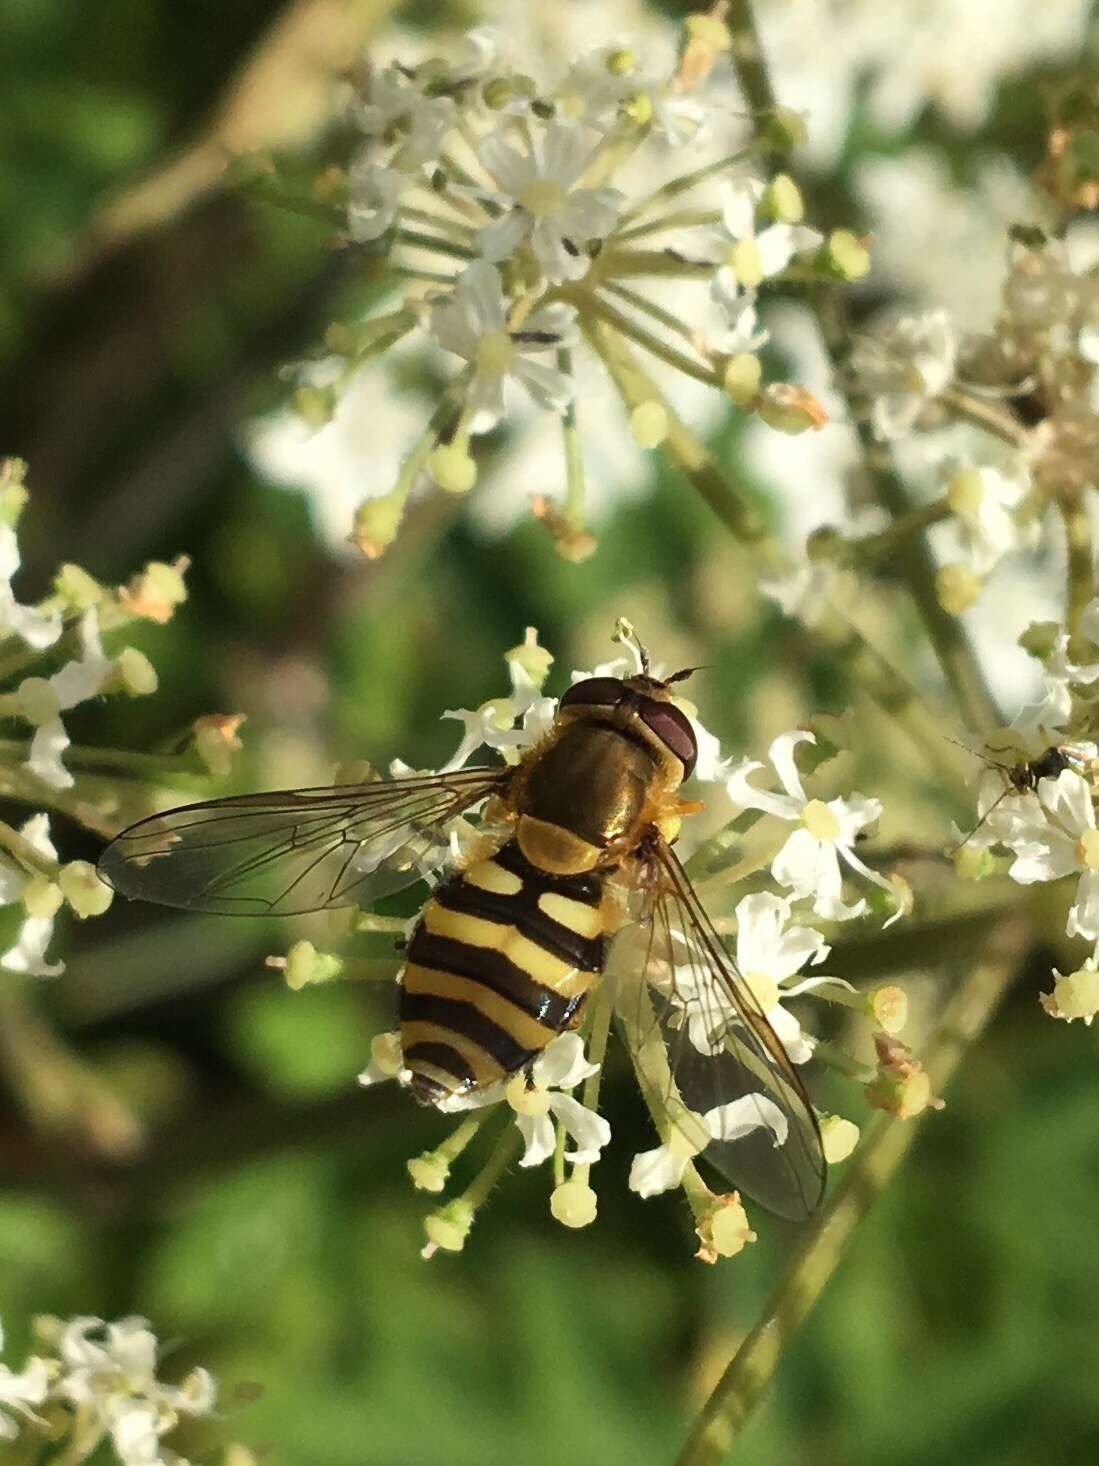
x=506, y=724
x=75, y=683
x=396, y=111
x=472, y=322
x=374, y=196
x=904, y=366
x=744, y=333
x=20, y=1392
x=39, y=629
x=983, y=499
x=1056, y=836
x=809, y=862
x=1050, y=715
x=560, y=1067
x=543, y=203
x=744, y=257
x=28, y=955
x=655, y=1171
x=768, y=953
x=109, y=1371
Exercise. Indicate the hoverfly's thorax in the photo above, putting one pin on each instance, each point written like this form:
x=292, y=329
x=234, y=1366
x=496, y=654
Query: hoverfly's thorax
x=592, y=781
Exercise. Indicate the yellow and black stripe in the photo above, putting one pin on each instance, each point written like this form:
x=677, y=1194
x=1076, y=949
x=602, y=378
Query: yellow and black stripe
x=499, y=964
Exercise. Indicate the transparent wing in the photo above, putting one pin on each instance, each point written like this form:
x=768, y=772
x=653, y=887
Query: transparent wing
x=295, y=851
x=708, y=1061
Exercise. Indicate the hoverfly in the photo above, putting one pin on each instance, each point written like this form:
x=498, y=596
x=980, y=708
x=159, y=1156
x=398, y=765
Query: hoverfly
x=507, y=948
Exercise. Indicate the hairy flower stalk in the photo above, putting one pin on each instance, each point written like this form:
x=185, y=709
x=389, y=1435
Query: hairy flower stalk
x=523, y=215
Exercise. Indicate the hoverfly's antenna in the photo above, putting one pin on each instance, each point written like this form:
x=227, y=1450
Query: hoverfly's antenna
x=683, y=674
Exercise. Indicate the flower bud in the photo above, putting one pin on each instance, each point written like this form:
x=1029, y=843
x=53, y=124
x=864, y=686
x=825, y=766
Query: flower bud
x=723, y=1229
x=135, y=672
x=41, y=896
x=305, y=966
x=786, y=129
x=782, y=200
x=847, y=255
x=77, y=588
x=83, y=890
x=216, y=741
x=157, y=591
x=965, y=491
x=13, y=492
x=973, y=862
x=902, y=1086
x=573, y=1204
x=957, y=587
x=376, y=524
x=535, y=660
x=741, y=377
x=315, y=405
x=449, y=1227
x=887, y=1007
x=789, y=408
x=649, y=424
x=37, y=701
x=839, y=1137
x=1040, y=639
x=497, y=93
x=1075, y=994
x=452, y=468
x=429, y=1172
x=639, y=108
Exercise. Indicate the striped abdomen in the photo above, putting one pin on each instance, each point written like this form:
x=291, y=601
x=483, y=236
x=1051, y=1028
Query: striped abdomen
x=500, y=963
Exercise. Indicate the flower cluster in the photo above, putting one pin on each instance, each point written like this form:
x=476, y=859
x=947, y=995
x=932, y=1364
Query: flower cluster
x=555, y=1105
x=1037, y=799
x=92, y=1382
x=1027, y=391
x=527, y=220
x=52, y=659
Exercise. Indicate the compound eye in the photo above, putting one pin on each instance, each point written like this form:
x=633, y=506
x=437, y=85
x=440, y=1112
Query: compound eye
x=673, y=727
x=605, y=692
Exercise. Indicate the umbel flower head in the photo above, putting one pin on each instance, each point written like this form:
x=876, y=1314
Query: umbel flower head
x=548, y=1112
x=531, y=218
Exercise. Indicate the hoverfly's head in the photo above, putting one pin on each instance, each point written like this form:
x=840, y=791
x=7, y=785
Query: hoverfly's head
x=648, y=699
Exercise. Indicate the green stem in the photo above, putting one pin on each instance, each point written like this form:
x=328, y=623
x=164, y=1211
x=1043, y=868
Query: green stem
x=441, y=246
x=887, y=1142
x=503, y=1153
x=78, y=756
x=913, y=560
x=612, y=263
x=686, y=450
x=677, y=219
x=652, y=344
x=877, y=547
x=1080, y=560
x=984, y=414
x=642, y=303
x=574, y=459
x=749, y=62
x=20, y=847
x=685, y=181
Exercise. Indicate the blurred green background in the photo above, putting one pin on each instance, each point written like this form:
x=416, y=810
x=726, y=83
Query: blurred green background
x=266, y=1225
